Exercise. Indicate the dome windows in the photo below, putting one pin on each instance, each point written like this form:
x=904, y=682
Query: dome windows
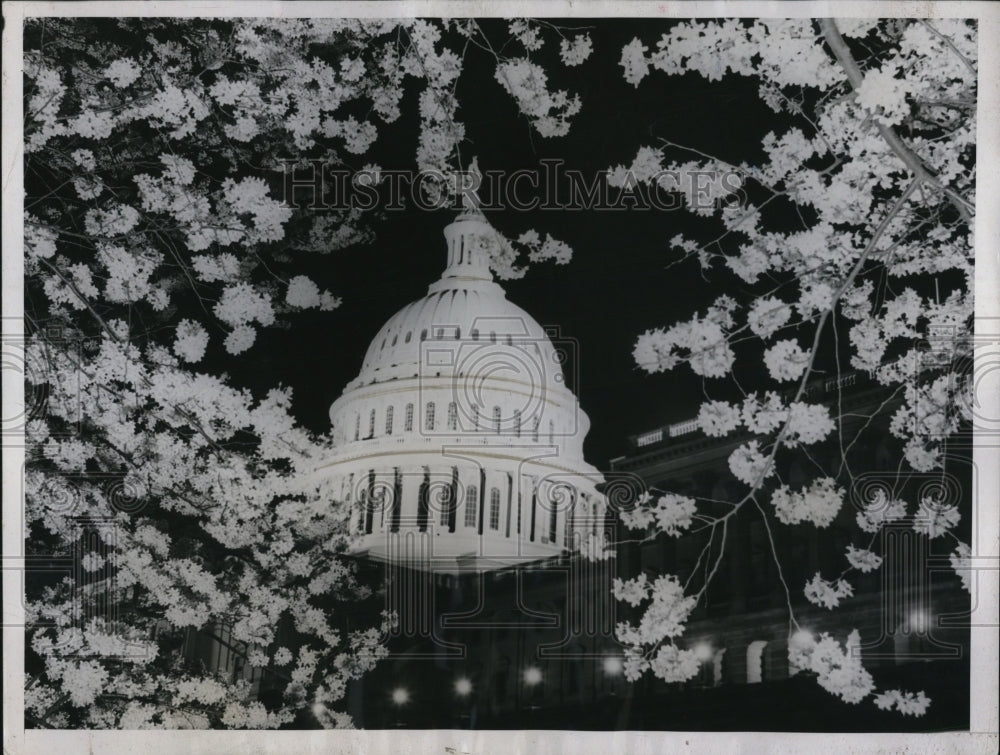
x=475, y=334
x=408, y=421
x=495, y=508
x=496, y=419
x=471, y=505
x=388, y=421
x=423, y=334
x=429, y=416
x=452, y=416
x=409, y=333
x=446, y=505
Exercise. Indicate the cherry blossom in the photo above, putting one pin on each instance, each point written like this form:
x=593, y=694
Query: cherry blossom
x=749, y=465
x=827, y=594
x=907, y=703
x=818, y=503
x=862, y=559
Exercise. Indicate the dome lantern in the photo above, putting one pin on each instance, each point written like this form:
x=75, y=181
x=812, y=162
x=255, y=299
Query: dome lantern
x=466, y=237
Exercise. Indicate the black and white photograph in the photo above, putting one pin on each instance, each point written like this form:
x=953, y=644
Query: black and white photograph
x=484, y=382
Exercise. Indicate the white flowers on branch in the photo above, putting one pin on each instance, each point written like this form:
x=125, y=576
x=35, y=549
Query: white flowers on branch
x=883, y=219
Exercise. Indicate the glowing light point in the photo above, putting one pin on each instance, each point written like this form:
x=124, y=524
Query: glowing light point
x=532, y=675
x=703, y=651
x=802, y=637
x=463, y=686
x=612, y=665
x=400, y=696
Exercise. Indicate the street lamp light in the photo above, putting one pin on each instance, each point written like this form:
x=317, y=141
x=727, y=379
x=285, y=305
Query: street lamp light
x=532, y=676
x=703, y=651
x=802, y=637
x=400, y=696
x=612, y=665
x=463, y=686
x=919, y=621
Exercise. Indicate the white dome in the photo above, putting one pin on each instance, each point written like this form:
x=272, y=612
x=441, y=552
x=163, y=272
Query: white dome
x=465, y=305
x=460, y=429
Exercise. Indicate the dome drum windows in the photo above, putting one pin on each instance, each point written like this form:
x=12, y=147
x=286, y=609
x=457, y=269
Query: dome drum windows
x=388, y=421
x=408, y=421
x=495, y=508
x=471, y=506
x=429, y=417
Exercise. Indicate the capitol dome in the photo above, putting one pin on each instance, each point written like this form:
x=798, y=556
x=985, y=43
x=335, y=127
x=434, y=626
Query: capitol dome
x=459, y=445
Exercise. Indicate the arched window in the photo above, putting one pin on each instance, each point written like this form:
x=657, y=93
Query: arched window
x=493, y=337
x=440, y=333
x=717, y=666
x=395, y=338
x=445, y=500
x=517, y=422
x=429, y=418
x=388, y=421
x=423, y=334
x=408, y=334
x=471, y=506
x=452, y=416
x=496, y=419
x=755, y=661
x=475, y=417
x=408, y=421
x=357, y=427
x=458, y=333
x=371, y=424
x=495, y=508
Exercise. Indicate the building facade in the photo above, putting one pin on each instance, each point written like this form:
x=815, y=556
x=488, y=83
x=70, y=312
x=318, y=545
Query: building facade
x=536, y=644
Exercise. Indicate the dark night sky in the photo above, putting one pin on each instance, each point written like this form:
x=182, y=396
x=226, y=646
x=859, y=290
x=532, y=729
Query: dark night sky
x=617, y=284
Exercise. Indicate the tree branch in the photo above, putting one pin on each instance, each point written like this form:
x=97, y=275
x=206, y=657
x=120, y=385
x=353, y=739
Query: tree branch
x=910, y=158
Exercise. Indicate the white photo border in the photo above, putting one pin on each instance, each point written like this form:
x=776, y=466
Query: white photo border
x=982, y=736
